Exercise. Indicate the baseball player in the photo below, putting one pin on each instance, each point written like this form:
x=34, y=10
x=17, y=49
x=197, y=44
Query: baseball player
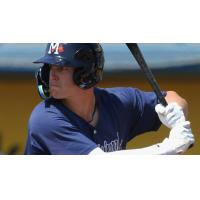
x=78, y=118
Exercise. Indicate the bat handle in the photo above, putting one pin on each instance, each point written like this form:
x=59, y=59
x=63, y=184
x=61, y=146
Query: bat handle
x=156, y=88
x=162, y=99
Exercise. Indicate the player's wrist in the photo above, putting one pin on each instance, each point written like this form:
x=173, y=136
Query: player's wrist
x=179, y=140
x=170, y=115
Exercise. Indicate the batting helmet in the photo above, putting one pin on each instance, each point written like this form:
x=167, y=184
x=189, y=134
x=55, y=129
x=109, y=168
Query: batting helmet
x=86, y=58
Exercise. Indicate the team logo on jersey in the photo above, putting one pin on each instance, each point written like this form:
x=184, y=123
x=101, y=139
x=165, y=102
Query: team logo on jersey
x=56, y=48
x=114, y=145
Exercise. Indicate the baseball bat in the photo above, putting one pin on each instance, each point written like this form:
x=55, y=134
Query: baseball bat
x=133, y=47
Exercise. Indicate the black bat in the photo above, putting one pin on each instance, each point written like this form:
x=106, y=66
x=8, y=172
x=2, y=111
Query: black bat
x=133, y=47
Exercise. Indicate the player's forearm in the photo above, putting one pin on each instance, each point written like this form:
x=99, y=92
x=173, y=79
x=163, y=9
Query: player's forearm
x=179, y=140
x=151, y=150
x=174, y=97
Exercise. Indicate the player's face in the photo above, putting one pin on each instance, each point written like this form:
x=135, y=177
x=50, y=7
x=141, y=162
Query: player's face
x=61, y=82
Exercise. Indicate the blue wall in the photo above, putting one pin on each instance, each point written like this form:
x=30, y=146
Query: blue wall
x=19, y=57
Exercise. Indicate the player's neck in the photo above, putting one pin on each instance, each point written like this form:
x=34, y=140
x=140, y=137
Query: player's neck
x=83, y=105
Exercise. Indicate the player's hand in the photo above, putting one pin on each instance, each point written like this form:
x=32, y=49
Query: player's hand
x=180, y=139
x=170, y=115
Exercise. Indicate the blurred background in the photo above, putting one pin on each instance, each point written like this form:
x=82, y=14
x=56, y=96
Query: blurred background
x=175, y=66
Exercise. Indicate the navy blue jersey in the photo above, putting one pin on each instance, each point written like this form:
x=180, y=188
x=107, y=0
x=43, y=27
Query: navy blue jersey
x=123, y=114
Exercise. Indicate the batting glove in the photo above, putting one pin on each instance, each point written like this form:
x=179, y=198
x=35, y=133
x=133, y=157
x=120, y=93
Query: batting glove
x=170, y=115
x=180, y=139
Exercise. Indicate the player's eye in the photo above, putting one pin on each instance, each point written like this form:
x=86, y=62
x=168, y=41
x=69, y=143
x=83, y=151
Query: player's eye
x=60, y=69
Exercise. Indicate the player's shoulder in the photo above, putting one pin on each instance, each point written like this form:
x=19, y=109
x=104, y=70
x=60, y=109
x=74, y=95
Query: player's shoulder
x=118, y=91
x=47, y=117
x=44, y=111
x=43, y=107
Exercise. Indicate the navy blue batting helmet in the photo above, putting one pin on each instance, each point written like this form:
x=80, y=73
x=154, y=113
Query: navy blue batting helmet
x=86, y=58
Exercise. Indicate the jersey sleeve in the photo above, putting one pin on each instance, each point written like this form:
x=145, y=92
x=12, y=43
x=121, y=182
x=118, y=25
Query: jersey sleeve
x=142, y=107
x=57, y=137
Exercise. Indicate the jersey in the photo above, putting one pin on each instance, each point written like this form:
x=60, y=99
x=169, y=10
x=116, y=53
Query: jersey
x=123, y=114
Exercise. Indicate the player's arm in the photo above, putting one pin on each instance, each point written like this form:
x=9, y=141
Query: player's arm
x=174, y=97
x=180, y=136
x=179, y=140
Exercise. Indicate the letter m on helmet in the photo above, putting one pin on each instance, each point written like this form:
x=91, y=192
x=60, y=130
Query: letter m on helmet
x=53, y=48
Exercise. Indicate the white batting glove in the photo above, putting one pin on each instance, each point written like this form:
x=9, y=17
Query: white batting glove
x=180, y=139
x=170, y=115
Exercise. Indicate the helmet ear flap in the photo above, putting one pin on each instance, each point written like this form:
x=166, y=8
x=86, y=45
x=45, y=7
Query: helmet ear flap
x=45, y=70
x=42, y=79
x=80, y=78
x=87, y=79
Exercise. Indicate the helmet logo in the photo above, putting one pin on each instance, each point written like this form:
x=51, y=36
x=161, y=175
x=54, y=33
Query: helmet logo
x=56, y=48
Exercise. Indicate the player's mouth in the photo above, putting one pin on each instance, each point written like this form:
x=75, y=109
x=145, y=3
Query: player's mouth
x=53, y=85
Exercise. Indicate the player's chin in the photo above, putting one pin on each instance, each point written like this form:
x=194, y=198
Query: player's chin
x=55, y=94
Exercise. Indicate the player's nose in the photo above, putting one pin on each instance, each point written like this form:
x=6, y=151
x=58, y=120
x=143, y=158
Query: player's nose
x=53, y=73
